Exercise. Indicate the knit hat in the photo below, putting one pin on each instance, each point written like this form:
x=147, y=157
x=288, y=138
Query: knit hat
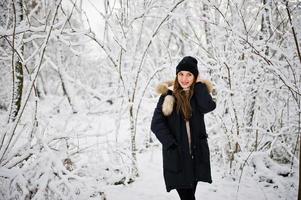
x=190, y=64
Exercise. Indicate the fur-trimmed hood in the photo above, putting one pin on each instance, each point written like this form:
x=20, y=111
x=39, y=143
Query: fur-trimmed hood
x=169, y=100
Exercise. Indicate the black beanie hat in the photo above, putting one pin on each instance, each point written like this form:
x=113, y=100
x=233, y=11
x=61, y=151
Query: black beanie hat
x=190, y=64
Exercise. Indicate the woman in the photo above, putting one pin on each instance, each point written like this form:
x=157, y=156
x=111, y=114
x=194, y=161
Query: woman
x=178, y=123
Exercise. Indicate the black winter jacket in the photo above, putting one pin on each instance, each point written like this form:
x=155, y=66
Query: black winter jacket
x=180, y=168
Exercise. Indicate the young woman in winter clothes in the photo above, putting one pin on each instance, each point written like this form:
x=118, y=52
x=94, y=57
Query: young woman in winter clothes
x=178, y=123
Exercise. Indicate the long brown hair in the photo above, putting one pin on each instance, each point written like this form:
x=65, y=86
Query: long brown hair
x=183, y=99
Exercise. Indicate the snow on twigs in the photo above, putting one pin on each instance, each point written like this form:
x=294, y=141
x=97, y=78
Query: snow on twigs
x=90, y=69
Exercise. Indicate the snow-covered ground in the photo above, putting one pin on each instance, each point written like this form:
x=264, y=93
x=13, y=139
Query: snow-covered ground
x=150, y=185
x=98, y=165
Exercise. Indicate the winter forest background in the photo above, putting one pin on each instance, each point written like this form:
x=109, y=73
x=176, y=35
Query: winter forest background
x=78, y=85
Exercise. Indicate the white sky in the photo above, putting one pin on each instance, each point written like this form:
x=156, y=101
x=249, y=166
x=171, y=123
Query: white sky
x=92, y=9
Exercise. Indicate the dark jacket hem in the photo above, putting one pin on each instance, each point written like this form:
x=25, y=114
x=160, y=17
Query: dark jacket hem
x=168, y=189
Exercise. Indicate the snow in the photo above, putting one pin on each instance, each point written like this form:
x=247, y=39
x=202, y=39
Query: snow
x=150, y=184
x=54, y=153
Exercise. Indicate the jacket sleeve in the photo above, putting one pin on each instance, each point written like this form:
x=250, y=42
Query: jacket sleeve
x=160, y=127
x=204, y=100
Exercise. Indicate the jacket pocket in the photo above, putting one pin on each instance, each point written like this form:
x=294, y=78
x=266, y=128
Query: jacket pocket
x=171, y=159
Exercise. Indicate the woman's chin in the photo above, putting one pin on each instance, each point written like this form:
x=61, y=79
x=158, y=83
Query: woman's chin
x=185, y=87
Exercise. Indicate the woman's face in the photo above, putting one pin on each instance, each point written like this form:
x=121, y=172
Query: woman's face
x=185, y=79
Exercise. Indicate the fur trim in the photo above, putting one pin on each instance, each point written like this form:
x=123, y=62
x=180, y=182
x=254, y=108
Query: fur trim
x=168, y=104
x=164, y=87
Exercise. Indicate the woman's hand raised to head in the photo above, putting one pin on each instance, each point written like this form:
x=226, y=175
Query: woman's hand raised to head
x=210, y=86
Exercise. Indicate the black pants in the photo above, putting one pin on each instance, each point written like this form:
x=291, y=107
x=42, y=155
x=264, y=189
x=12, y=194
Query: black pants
x=187, y=193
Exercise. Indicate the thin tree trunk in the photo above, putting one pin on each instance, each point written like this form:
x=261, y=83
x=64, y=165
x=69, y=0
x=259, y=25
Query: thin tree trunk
x=19, y=87
x=17, y=68
x=237, y=146
x=266, y=23
x=134, y=169
x=207, y=30
x=13, y=112
x=294, y=33
x=65, y=91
